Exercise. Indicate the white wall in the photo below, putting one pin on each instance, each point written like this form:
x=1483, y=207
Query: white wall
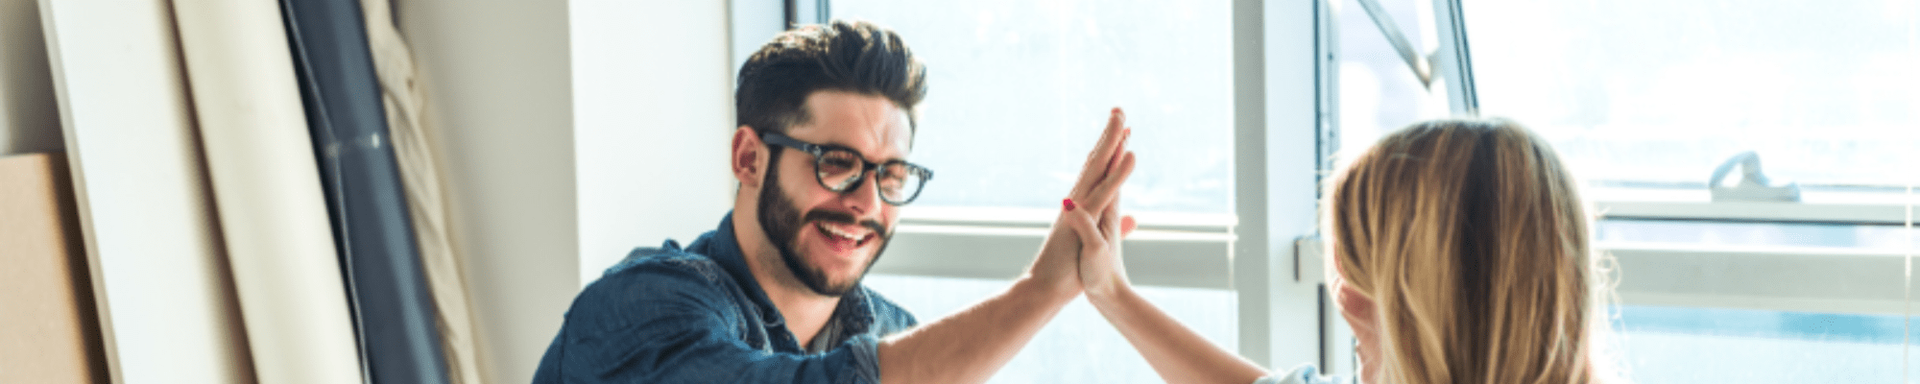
x=653, y=116
x=571, y=133
x=499, y=91
x=29, y=119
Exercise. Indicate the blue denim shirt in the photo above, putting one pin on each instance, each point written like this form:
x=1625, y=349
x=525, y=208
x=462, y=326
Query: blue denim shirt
x=696, y=315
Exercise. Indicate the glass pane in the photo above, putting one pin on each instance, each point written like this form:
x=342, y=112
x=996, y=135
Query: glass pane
x=1078, y=346
x=1020, y=89
x=1378, y=92
x=1709, y=345
x=1655, y=91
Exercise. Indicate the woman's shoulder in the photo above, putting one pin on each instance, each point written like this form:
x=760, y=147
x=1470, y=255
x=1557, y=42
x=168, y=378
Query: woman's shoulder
x=1302, y=374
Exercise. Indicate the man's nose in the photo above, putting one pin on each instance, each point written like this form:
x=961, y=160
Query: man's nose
x=864, y=198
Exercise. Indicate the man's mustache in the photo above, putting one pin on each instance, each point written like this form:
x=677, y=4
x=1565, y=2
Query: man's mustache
x=844, y=218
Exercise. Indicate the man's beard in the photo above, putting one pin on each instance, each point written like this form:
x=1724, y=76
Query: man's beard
x=782, y=223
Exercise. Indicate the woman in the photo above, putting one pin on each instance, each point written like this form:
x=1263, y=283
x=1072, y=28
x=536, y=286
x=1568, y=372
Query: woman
x=1459, y=254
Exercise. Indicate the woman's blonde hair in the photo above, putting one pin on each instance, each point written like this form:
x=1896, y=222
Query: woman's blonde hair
x=1470, y=239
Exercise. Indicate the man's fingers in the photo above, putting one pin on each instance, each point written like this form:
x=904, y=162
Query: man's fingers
x=1122, y=169
x=1088, y=175
x=1092, y=172
x=1119, y=149
x=1109, y=179
x=1127, y=225
x=1107, y=191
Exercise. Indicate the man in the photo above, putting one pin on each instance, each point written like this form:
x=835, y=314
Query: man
x=773, y=294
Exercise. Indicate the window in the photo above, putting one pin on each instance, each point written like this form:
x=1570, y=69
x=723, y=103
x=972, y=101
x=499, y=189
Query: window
x=1644, y=99
x=1827, y=298
x=1078, y=346
x=1713, y=345
x=1018, y=92
x=1647, y=92
x=1020, y=89
x=1378, y=90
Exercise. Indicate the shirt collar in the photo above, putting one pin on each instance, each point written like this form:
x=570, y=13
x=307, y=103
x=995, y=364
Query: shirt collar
x=723, y=246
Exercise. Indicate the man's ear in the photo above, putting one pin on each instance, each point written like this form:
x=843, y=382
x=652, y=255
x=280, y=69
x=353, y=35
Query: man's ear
x=749, y=158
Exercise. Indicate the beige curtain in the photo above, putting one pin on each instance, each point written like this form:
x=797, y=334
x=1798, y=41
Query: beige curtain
x=412, y=148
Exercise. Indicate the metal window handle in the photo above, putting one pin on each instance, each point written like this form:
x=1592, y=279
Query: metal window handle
x=1450, y=60
x=1415, y=61
x=1753, y=186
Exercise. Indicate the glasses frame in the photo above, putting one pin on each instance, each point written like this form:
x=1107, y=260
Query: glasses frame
x=819, y=152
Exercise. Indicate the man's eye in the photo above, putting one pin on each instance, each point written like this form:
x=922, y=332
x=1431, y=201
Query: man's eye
x=836, y=162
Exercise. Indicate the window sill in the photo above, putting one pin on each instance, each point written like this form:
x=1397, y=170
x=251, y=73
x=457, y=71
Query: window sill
x=1696, y=204
x=1177, y=250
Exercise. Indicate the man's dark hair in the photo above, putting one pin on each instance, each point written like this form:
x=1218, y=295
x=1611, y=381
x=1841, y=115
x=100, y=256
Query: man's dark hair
x=850, y=56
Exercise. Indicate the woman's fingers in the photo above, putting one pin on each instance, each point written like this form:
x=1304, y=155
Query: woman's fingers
x=1085, y=226
x=1110, y=222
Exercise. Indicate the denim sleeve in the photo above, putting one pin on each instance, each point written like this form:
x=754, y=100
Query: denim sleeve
x=671, y=323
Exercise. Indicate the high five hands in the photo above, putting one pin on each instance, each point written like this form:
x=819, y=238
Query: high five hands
x=1090, y=226
x=1097, y=221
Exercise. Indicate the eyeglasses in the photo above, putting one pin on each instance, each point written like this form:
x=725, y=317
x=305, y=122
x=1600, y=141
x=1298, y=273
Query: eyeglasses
x=841, y=169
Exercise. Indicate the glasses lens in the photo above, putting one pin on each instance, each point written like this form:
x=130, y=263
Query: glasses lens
x=899, y=182
x=838, y=168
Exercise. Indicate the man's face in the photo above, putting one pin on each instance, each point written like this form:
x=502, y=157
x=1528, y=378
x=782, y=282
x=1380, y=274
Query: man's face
x=829, y=239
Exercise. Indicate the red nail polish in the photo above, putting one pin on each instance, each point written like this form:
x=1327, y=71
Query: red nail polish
x=1068, y=203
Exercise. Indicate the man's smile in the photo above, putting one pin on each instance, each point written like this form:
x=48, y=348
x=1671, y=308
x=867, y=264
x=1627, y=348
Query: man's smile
x=843, y=237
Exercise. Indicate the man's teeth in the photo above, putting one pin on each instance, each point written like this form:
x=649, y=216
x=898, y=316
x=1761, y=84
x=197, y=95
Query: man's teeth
x=840, y=233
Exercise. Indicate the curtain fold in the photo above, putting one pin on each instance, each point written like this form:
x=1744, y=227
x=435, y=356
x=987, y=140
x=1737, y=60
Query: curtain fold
x=393, y=306
x=405, y=101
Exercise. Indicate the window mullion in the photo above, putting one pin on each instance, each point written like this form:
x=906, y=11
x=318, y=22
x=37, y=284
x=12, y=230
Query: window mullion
x=1453, y=61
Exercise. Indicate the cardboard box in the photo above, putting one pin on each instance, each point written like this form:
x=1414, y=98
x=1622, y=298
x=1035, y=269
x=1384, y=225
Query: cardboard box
x=49, y=327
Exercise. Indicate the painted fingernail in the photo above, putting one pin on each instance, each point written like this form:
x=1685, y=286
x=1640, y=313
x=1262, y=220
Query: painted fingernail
x=1067, y=203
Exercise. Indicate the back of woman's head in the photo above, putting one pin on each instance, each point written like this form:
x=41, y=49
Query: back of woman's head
x=1469, y=238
